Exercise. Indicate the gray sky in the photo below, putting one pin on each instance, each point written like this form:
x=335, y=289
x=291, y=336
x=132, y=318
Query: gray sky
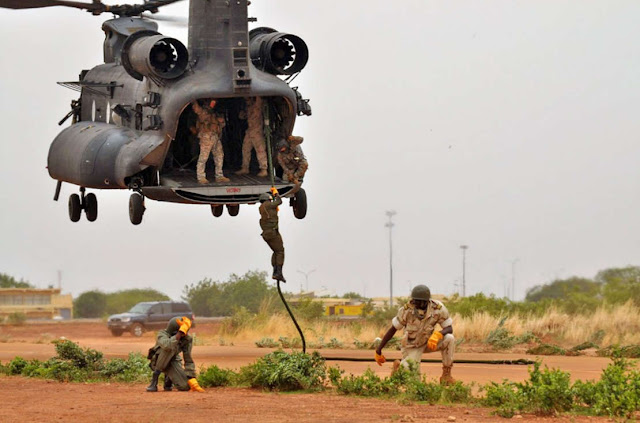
x=509, y=126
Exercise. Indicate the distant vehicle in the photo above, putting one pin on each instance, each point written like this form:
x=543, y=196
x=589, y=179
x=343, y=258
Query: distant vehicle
x=147, y=316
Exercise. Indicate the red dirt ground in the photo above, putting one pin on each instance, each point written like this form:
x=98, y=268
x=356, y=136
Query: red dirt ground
x=39, y=400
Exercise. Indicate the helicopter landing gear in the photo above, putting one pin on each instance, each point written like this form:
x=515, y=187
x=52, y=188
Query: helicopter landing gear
x=136, y=208
x=88, y=203
x=217, y=209
x=233, y=209
x=299, y=204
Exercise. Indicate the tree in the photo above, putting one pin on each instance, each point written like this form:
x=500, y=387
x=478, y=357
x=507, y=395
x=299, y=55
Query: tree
x=7, y=281
x=352, y=295
x=121, y=301
x=563, y=288
x=90, y=304
x=198, y=296
x=620, y=284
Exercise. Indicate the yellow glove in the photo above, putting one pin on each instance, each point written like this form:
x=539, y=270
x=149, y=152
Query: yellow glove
x=193, y=384
x=185, y=324
x=274, y=191
x=432, y=343
x=380, y=358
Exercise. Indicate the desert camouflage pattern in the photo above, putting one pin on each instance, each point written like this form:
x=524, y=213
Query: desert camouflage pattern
x=417, y=331
x=292, y=160
x=254, y=137
x=209, y=128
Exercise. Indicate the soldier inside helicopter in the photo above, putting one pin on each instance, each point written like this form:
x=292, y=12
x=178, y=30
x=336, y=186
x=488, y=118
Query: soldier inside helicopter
x=240, y=125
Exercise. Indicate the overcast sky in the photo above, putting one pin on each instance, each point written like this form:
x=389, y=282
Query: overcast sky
x=512, y=127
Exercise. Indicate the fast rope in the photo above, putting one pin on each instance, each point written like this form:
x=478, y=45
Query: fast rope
x=267, y=136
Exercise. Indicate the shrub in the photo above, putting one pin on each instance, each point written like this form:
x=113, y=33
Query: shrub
x=290, y=343
x=307, y=309
x=335, y=343
x=16, y=319
x=286, y=372
x=457, y=393
x=88, y=358
x=16, y=365
x=267, y=343
x=134, y=369
x=546, y=349
x=215, y=376
x=421, y=390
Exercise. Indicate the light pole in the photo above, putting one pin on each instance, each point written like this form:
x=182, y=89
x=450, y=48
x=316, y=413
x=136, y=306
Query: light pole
x=513, y=279
x=306, y=276
x=464, y=258
x=390, y=224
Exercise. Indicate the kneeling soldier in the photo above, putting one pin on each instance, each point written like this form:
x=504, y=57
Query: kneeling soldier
x=165, y=355
x=418, y=318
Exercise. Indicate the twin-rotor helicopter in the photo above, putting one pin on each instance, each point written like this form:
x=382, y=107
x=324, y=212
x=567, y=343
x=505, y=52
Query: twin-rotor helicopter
x=131, y=127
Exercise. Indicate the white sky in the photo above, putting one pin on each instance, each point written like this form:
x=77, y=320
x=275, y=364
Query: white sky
x=509, y=126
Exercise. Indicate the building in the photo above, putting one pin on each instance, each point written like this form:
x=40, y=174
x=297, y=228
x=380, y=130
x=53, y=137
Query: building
x=35, y=303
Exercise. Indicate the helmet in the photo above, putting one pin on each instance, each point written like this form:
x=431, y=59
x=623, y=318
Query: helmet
x=282, y=144
x=265, y=197
x=173, y=326
x=421, y=292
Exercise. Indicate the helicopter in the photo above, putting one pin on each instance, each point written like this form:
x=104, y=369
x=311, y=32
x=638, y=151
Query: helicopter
x=133, y=125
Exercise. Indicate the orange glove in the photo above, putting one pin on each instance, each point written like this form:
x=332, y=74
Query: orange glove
x=185, y=324
x=380, y=358
x=274, y=191
x=432, y=343
x=193, y=384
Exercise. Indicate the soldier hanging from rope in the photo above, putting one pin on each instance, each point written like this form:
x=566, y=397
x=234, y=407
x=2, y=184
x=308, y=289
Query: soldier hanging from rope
x=269, y=203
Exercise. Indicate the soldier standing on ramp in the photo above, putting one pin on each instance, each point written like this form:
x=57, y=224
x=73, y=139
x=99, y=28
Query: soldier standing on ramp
x=209, y=129
x=254, y=138
x=418, y=318
x=269, y=224
x=165, y=356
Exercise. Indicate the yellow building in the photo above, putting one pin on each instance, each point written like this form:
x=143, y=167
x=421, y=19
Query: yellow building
x=35, y=303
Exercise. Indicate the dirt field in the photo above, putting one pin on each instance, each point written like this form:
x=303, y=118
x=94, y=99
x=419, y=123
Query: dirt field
x=39, y=400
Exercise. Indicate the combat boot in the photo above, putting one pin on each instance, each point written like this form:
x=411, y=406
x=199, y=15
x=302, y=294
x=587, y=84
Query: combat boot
x=153, y=386
x=277, y=274
x=446, y=378
x=222, y=179
x=243, y=172
x=263, y=173
x=168, y=385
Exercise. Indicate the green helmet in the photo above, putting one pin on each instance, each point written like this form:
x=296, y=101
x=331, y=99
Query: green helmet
x=421, y=292
x=173, y=326
x=265, y=197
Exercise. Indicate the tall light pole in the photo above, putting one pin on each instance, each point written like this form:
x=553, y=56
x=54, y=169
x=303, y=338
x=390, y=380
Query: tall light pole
x=513, y=279
x=306, y=276
x=390, y=224
x=464, y=270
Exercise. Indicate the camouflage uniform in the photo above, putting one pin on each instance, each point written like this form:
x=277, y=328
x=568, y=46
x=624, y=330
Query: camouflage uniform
x=270, y=234
x=165, y=356
x=254, y=137
x=292, y=160
x=209, y=128
x=417, y=332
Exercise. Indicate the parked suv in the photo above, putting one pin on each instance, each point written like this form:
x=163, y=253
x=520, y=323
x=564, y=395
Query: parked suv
x=147, y=316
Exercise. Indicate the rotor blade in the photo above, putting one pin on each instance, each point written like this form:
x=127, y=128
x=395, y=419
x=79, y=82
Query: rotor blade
x=31, y=4
x=170, y=20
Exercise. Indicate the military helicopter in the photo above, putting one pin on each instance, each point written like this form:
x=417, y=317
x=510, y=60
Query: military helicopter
x=132, y=127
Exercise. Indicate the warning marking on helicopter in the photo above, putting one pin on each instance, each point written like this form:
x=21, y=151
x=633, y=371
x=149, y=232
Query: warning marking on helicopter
x=233, y=190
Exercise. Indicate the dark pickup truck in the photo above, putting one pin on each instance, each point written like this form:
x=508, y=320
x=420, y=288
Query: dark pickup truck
x=148, y=316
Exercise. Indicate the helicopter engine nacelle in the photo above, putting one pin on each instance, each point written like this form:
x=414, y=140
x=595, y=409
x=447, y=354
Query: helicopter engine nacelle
x=150, y=54
x=277, y=52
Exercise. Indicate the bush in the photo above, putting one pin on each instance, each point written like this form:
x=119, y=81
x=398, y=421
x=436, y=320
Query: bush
x=16, y=319
x=267, y=343
x=134, y=369
x=286, y=372
x=547, y=349
x=215, y=376
x=422, y=390
x=90, y=304
x=16, y=365
x=457, y=393
x=84, y=359
x=307, y=309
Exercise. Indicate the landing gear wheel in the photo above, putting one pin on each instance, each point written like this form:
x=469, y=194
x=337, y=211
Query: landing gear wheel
x=217, y=209
x=75, y=208
x=136, y=208
x=299, y=204
x=233, y=209
x=137, y=330
x=91, y=207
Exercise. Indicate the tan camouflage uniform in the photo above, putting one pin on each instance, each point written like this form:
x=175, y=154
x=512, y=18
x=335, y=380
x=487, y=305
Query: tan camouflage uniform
x=209, y=128
x=254, y=137
x=292, y=160
x=417, y=332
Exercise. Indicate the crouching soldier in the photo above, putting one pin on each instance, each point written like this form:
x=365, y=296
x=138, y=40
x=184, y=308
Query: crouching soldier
x=291, y=159
x=418, y=318
x=165, y=356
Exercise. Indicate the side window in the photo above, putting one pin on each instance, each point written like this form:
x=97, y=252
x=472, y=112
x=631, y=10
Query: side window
x=180, y=308
x=156, y=309
x=166, y=308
